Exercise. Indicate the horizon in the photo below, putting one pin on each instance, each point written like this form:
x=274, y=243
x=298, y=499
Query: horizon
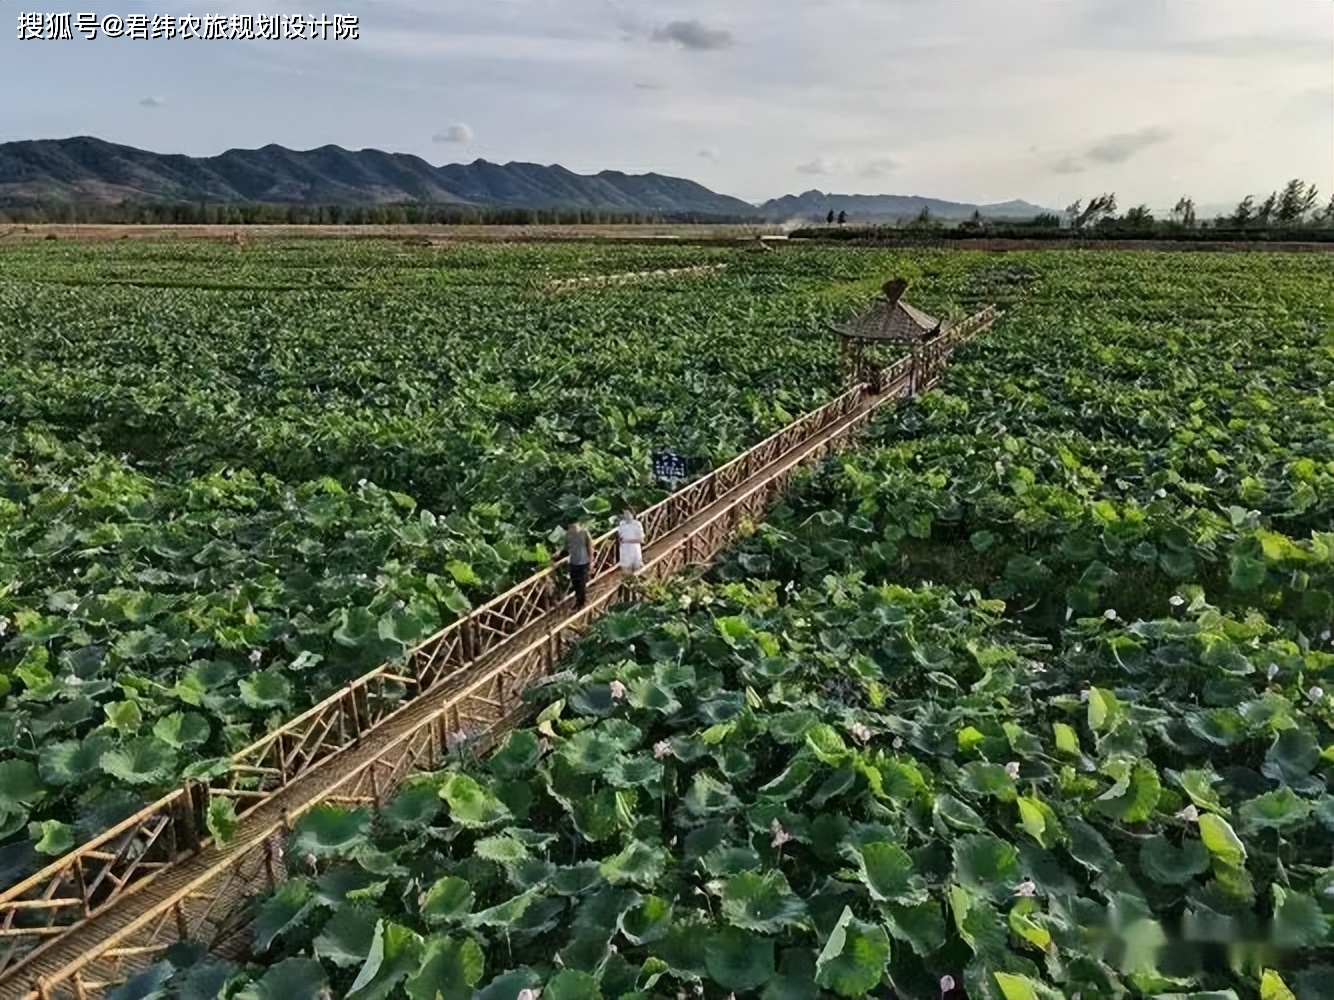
x=990, y=102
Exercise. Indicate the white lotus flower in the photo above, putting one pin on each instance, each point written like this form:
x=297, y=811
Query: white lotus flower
x=1190, y=814
x=312, y=862
x=256, y=656
x=860, y=733
x=1160, y=492
x=1315, y=694
x=4, y=625
x=527, y=995
x=361, y=482
x=781, y=836
x=1027, y=888
x=456, y=739
x=1272, y=672
x=1110, y=614
x=1012, y=769
x=898, y=742
x=1084, y=695
x=661, y=749
x=617, y=691
x=946, y=984
x=1324, y=636
x=1176, y=600
x=1079, y=647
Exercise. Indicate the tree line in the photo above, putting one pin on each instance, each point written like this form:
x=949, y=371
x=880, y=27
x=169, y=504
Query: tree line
x=248, y=214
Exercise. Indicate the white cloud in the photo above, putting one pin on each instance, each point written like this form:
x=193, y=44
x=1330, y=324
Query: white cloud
x=459, y=133
x=708, y=153
x=1121, y=147
x=879, y=167
x=153, y=102
x=819, y=165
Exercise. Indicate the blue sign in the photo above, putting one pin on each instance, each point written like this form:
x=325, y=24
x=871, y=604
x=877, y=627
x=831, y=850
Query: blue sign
x=668, y=465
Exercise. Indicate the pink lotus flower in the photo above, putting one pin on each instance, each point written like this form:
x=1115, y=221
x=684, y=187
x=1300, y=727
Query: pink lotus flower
x=781, y=836
x=618, y=691
x=860, y=733
x=661, y=749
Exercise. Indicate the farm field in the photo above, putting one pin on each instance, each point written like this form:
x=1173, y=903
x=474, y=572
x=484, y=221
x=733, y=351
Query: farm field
x=1028, y=698
x=234, y=479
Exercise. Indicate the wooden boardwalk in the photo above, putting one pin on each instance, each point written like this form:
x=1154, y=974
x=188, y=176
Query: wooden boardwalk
x=91, y=918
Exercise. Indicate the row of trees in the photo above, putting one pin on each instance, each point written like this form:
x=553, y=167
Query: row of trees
x=1294, y=207
x=237, y=214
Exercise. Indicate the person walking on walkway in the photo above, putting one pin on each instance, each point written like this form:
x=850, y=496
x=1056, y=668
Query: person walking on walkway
x=631, y=535
x=579, y=547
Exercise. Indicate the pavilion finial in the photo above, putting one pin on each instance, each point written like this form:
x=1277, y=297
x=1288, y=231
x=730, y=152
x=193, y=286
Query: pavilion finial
x=894, y=289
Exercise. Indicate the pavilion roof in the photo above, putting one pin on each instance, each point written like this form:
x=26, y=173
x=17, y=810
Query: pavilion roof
x=892, y=319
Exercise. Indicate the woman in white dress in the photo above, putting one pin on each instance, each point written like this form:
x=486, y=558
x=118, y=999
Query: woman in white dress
x=631, y=534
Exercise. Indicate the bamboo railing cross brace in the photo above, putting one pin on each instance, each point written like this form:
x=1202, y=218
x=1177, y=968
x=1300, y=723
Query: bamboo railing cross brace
x=359, y=743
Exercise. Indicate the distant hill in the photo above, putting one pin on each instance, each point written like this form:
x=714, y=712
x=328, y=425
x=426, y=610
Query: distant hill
x=888, y=207
x=91, y=171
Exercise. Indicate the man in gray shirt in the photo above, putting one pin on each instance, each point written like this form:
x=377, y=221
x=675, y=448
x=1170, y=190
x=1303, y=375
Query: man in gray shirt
x=579, y=546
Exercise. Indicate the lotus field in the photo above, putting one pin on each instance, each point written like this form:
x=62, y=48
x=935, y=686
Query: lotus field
x=1029, y=697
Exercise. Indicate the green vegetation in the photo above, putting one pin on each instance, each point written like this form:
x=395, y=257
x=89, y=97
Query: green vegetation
x=232, y=480
x=1027, y=698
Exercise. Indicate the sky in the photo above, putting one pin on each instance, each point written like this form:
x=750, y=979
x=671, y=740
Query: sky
x=1045, y=100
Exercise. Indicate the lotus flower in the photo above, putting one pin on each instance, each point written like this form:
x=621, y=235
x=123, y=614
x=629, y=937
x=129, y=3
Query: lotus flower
x=4, y=625
x=860, y=733
x=661, y=749
x=527, y=995
x=946, y=984
x=1027, y=888
x=898, y=742
x=1176, y=600
x=781, y=836
x=1272, y=672
x=256, y=656
x=456, y=739
x=1190, y=814
x=617, y=691
x=1324, y=636
x=1012, y=769
x=1316, y=694
x=1110, y=614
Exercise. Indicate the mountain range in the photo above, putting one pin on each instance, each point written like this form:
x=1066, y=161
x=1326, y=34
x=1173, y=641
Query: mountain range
x=88, y=170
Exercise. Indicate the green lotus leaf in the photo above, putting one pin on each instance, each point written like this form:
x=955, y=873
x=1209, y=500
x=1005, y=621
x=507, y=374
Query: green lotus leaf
x=1014, y=986
x=517, y=758
x=1198, y=784
x=503, y=850
x=124, y=716
x=347, y=937
x=761, y=902
x=1171, y=865
x=1275, y=810
x=206, y=981
x=791, y=727
x=449, y=970
x=796, y=977
x=639, y=863
x=448, y=898
x=986, y=863
x=412, y=809
x=72, y=761
x=182, y=729
x=982, y=778
x=1272, y=987
x=855, y=957
x=591, y=751
x=508, y=985
x=503, y=914
x=151, y=984
x=1299, y=922
x=727, y=860
x=738, y=960
x=331, y=831
x=1134, y=796
x=145, y=761
x=290, y=979
x=470, y=804
x=709, y=796
x=20, y=784
x=52, y=837
x=1221, y=840
x=1292, y=756
x=887, y=871
x=289, y=907
x=1221, y=726
x=395, y=954
x=572, y=984
x=633, y=772
x=221, y=819
x=266, y=689
x=647, y=922
x=921, y=926
x=957, y=814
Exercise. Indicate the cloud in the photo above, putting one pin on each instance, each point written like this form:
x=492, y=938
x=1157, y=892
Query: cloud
x=645, y=85
x=879, y=167
x=708, y=154
x=153, y=102
x=1121, y=147
x=1067, y=165
x=459, y=133
x=693, y=35
x=819, y=165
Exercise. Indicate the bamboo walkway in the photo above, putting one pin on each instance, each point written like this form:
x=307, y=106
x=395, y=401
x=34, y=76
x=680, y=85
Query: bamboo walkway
x=83, y=924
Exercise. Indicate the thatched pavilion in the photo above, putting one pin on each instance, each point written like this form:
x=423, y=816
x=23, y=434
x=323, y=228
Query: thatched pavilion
x=890, y=320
